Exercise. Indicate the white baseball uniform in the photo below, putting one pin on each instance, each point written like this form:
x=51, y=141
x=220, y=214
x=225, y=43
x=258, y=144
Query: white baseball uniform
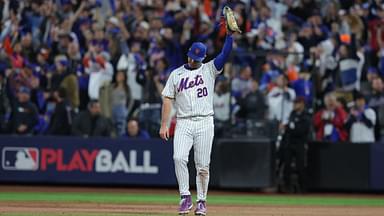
x=192, y=90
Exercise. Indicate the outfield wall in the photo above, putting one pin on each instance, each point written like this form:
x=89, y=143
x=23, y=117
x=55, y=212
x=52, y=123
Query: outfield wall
x=236, y=163
x=346, y=166
x=86, y=161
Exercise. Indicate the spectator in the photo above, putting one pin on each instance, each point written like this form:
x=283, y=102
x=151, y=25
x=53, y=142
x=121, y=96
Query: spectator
x=150, y=109
x=330, y=12
x=374, y=26
x=361, y=122
x=134, y=131
x=329, y=122
x=91, y=123
x=130, y=62
x=61, y=119
x=115, y=99
x=253, y=106
x=270, y=73
x=304, y=88
x=27, y=46
x=61, y=41
x=67, y=80
x=303, y=9
x=42, y=58
x=242, y=84
x=296, y=49
x=18, y=77
x=323, y=56
x=15, y=56
x=42, y=67
x=222, y=107
x=110, y=40
x=376, y=102
x=307, y=38
x=172, y=47
x=37, y=92
x=349, y=68
x=24, y=113
x=280, y=100
x=366, y=86
x=99, y=70
x=74, y=57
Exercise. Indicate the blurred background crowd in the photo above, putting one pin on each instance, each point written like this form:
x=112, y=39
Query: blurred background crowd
x=302, y=69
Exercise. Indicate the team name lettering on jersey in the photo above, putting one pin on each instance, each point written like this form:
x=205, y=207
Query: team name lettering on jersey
x=186, y=84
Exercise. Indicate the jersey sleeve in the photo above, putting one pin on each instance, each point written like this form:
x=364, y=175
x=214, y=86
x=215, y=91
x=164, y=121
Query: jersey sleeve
x=212, y=68
x=169, y=89
x=371, y=115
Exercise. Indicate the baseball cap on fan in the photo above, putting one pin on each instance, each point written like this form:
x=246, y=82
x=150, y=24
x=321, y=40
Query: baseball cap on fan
x=25, y=90
x=197, y=52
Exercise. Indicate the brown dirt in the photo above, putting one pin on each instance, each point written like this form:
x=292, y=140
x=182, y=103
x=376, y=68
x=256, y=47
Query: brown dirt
x=73, y=208
x=143, y=209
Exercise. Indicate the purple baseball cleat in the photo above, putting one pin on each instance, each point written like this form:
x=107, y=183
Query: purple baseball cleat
x=185, y=204
x=201, y=208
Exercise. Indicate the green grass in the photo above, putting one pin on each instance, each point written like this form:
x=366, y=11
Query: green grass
x=126, y=198
x=171, y=199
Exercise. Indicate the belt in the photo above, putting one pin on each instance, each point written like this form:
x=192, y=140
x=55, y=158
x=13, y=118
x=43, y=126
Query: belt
x=195, y=116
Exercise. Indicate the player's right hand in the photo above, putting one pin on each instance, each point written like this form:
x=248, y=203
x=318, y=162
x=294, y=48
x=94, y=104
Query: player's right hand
x=164, y=132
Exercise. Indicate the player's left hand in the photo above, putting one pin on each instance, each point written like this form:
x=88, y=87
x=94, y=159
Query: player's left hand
x=230, y=20
x=164, y=132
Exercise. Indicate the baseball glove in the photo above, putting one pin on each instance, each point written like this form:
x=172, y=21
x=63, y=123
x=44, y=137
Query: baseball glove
x=230, y=20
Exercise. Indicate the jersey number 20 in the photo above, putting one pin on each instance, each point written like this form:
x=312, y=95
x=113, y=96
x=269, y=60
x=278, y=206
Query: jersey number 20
x=202, y=92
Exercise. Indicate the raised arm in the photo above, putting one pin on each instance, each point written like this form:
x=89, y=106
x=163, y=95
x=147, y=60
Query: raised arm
x=224, y=54
x=73, y=18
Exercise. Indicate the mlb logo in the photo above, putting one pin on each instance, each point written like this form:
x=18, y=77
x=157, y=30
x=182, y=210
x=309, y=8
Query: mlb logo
x=20, y=158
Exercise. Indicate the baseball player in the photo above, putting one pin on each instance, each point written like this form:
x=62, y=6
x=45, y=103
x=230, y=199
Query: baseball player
x=191, y=87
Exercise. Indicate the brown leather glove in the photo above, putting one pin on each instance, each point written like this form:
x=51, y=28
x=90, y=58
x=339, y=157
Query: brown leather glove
x=230, y=20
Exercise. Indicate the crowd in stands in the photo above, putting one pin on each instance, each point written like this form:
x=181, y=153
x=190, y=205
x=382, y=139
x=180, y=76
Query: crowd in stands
x=97, y=67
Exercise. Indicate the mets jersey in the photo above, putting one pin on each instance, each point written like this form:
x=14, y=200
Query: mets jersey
x=192, y=90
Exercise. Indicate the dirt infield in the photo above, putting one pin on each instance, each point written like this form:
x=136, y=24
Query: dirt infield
x=76, y=208
x=73, y=208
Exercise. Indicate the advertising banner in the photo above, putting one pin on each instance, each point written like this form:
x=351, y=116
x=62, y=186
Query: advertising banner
x=90, y=161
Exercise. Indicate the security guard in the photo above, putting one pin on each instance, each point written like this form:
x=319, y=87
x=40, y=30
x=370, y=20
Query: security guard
x=294, y=145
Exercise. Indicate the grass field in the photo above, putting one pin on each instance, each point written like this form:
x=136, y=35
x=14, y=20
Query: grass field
x=94, y=202
x=155, y=198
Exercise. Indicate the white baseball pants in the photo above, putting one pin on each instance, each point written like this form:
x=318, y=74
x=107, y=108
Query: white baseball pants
x=197, y=132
